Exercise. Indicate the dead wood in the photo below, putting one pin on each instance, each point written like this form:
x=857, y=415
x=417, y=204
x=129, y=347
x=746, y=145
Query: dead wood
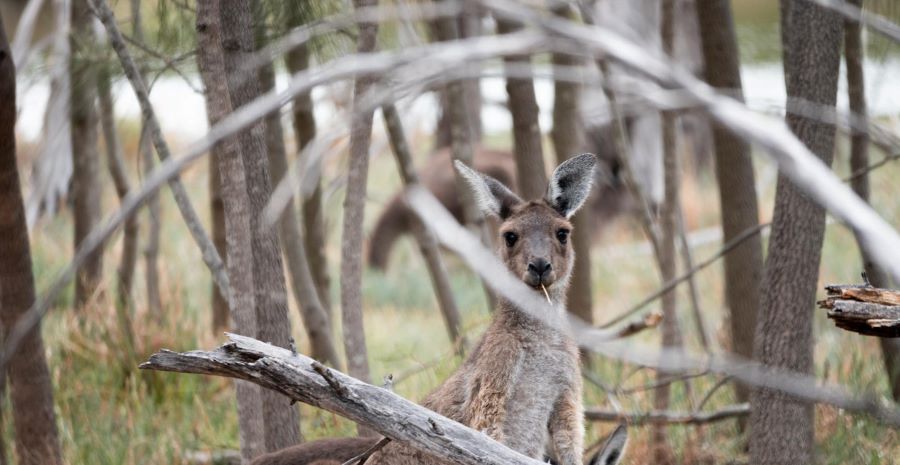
x=864, y=309
x=303, y=379
x=667, y=417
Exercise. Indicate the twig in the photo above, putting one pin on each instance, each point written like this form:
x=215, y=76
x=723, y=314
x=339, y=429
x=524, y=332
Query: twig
x=191, y=219
x=661, y=383
x=667, y=417
x=709, y=394
x=361, y=458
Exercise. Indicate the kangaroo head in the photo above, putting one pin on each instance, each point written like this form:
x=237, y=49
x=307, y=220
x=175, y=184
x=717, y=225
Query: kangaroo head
x=534, y=234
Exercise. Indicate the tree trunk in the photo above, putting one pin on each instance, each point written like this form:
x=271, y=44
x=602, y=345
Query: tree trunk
x=782, y=427
x=671, y=330
x=30, y=385
x=210, y=60
x=122, y=184
x=859, y=160
x=312, y=213
x=220, y=315
x=354, y=209
x=425, y=238
x=737, y=188
x=145, y=155
x=315, y=319
x=125, y=273
x=531, y=176
x=86, y=186
x=281, y=423
x=568, y=141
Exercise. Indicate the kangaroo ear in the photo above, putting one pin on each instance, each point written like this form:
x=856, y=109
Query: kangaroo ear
x=492, y=197
x=571, y=183
x=613, y=449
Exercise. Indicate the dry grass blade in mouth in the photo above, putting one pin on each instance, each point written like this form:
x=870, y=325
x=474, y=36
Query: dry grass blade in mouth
x=546, y=294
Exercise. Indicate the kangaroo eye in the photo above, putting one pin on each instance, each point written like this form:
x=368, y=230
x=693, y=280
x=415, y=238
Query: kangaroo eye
x=510, y=238
x=562, y=235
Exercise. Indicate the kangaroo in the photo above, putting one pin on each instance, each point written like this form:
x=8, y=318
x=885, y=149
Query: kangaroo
x=521, y=384
x=609, y=200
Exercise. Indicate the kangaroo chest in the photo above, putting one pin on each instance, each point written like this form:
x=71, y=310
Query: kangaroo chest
x=547, y=369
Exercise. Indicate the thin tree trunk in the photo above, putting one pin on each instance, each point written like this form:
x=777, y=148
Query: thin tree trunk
x=568, y=141
x=531, y=175
x=461, y=144
x=782, y=427
x=125, y=272
x=315, y=320
x=427, y=242
x=119, y=175
x=281, y=423
x=671, y=330
x=354, y=210
x=86, y=184
x=235, y=201
x=30, y=385
x=220, y=314
x=154, y=213
x=312, y=213
x=854, y=56
x=737, y=189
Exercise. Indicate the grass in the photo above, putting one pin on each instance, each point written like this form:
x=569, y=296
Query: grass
x=109, y=413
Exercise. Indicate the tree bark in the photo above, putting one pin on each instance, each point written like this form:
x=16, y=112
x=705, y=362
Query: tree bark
x=30, y=385
x=736, y=181
x=313, y=215
x=281, y=424
x=569, y=140
x=859, y=159
x=119, y=175
x=315, y=319
x=426, y=240
x=530, y=172
x=354, y=210
x=220, y=313
x=464, y=25
x=210, y=60
x=86, y=186
x=782, y=426
x=154, y=213
x=304, y=379
x=671, y=330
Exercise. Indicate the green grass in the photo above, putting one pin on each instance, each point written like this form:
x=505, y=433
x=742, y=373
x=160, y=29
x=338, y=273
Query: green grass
x=111, y=414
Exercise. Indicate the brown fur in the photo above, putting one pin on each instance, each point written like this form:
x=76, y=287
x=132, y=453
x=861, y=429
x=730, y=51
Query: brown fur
x=521, y=384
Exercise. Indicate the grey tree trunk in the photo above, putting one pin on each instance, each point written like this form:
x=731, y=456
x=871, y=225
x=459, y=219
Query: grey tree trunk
x=30, y=386
x=671, y=330
x=86, y=183
x=737, y=188
x=782, y=427
x=569, y=140
x=235, y=201
x=154, y=213
x=854, y=56
x=465, y=25
x=314, y=236
x=315, y=319
x=220, y=314
x=531, y=175
x=354, y=209
x=281, y=423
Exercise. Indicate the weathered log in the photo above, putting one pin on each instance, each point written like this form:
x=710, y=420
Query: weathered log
x=864, y=309
x=303, y=379
x=667, y=417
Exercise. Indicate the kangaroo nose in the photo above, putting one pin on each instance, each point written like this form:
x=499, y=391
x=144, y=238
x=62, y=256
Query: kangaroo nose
x=539, y=267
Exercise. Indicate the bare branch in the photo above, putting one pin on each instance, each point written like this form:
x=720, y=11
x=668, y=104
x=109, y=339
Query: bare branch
x=667, y=417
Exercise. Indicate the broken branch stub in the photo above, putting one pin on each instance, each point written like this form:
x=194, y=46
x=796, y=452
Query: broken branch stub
x=864, y=309
x=302, y=378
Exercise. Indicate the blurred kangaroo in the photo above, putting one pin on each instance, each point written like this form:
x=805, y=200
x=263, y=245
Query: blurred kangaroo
x=609, y=199
x=521, y=384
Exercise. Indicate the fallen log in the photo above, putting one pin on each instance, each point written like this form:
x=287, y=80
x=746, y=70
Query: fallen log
x=666, y=417
x=864, y=309
x=303, y=379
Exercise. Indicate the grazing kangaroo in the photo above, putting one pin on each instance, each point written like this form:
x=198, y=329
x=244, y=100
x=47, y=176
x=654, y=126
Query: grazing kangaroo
x=609, y=200
x=521, y=384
